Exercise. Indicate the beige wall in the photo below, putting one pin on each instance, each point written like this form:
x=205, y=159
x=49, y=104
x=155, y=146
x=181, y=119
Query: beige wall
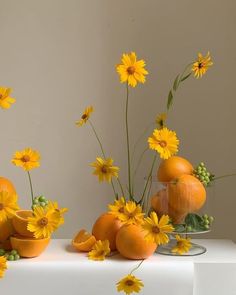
x=59, y=56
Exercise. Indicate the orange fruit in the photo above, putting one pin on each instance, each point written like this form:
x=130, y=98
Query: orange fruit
x=7, y=186
x=186, y=194
x=106, y=228
x=83, y=241
x=172, y=168
x=161, y=206
x=131, y=244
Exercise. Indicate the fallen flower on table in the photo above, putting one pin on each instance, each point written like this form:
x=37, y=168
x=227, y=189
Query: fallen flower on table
x=44, y=222
x=100, y=250
x=104, y=169
x=8, y=205
x=157, y=230
x=129, y=284
x=182, y=246
x=85, y=116
x=3, y=266
x=5, y=100
x=132, y=214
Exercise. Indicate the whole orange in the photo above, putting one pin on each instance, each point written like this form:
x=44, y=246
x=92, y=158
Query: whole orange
x=7, y=186
x=131, y=244
x=172, y=168
x=161, y=206
x=106, y=228
x=186, y=194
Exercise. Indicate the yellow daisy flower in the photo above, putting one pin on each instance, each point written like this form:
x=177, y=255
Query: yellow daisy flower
x=201, y=65
x=8, y=205
x=132, y=213
x=44, y=222
x=165, y=142
x=5, y=99
x=160, y=120
x=27, y=159
x=61, y=211
x=131, y=70
x=129, y=284
x=85, y=116
x=104, y=169
x=100, y=250
x=182, y=246
x=3, y=266
x=118, y=207
x=157, y=230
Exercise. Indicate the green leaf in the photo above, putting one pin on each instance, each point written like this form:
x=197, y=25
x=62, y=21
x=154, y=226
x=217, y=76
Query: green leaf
x=176, y=83
x=179, y=228
x=195, y=221
x=186, y=77
x=170, y=100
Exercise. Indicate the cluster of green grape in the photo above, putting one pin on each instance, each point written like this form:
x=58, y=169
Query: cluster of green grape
x=10, y=256
x=39, y=201
x=202, y=174
x=207, y=221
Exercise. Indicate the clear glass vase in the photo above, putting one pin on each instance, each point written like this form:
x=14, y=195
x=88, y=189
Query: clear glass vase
x=188, y=204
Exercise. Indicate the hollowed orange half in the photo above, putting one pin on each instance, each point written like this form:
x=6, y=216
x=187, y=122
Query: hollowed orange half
x=83, y=241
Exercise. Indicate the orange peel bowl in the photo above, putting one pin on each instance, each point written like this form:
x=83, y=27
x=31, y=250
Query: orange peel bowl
x=27, y=247
x=20, y=222
x=6, y=230
x=83, y=241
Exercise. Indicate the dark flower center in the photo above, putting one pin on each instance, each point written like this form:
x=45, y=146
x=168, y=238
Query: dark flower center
x=131, y=70
x=104, y=169
x=155, y=230
x=162, y=143
x=1, y=96
x=130, y=215
x=121, y=210
x=25, y=158
x=84, y=116
x=200, y=65
x=43, y=222
x=100, y=253
x=1, y=206
x=129, y=283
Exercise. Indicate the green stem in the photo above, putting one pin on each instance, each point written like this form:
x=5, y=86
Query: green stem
x=134, y=269
x=127, y=139
x=31, y=188
x=223, y=176
x=148, y=179
x=121, y=188
x=137, y=167
x=103, y=153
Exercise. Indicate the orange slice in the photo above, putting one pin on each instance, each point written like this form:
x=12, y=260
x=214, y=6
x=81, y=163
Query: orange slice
x=83, y=241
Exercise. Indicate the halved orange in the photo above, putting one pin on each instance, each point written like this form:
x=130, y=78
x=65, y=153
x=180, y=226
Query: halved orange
x=83, y=241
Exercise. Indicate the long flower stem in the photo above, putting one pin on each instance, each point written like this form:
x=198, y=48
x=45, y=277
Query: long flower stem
x=223, y=176
x=127, y=139
x=137, y=167
x=134, y=269
x=31, y=187
x=103, y=153
x=148, y=179
x=121, y=188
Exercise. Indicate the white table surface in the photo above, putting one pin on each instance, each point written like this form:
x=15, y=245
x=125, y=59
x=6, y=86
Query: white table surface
x=61, y=270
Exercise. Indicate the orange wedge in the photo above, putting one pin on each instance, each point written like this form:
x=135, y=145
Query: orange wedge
x=83, y=241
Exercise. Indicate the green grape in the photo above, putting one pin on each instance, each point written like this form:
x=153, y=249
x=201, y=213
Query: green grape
x=211, y=219
x=189, y=228
x=202, y=164
x=10, y=258
x=16, y=257
x=207, y=226
x=36, y=201
x=42, y=204
x=2, y=252
x=42, y=199
x=13, y=252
